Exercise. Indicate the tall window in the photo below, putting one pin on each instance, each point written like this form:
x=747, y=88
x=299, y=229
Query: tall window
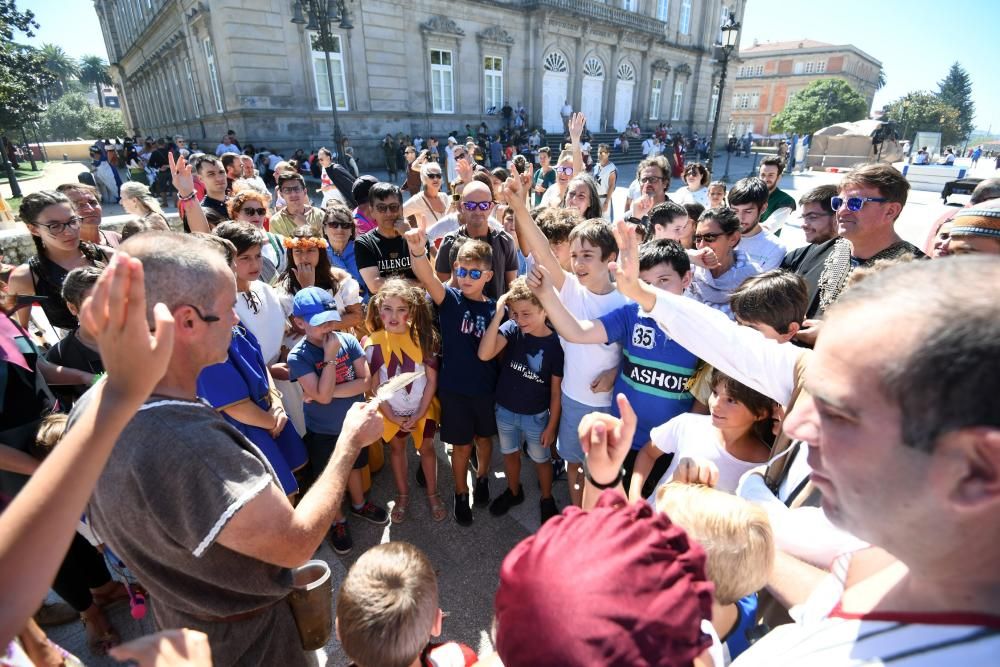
x=662, y=9
x=213, y=75
x=675, y=113
x=320, y=76
x=655, y=95
x=685, y=22
x=492, y=82
x=194, y=91
x=723, y=20
x=821, y=66
x=755, y=100
x=630, y=5
x=442, y=82
x=799, y=67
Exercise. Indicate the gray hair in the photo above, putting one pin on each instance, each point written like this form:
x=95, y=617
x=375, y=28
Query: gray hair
x=950, y=378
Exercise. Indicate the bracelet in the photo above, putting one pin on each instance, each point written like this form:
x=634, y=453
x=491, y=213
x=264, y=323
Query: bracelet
x=424, y=254
x=602, y=487
x=189, y=197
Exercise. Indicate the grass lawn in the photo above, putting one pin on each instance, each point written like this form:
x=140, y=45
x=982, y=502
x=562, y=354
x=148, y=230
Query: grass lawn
x=14, y=203
x=21, y=174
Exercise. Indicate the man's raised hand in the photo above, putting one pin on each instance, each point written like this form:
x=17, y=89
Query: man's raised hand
x=416, y=240
x=606, y=440
x=180, y=174
x=576, y=124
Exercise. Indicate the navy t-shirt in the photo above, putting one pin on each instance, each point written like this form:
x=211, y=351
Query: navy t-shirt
x=463, y=323
x=307, y=358
x=654, y=373
x=529, y=362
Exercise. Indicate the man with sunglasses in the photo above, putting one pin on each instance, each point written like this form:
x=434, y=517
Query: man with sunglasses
x=382, y=252
x=298, y=209
x=474, y=211
x=869, y=201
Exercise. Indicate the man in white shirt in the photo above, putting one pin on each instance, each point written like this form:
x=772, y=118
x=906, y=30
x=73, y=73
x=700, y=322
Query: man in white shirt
x=748, y=198
x=648, y=146
x=566, y=112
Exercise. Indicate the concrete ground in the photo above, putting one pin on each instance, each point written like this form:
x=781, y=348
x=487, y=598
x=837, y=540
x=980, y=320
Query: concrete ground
x=468, y=560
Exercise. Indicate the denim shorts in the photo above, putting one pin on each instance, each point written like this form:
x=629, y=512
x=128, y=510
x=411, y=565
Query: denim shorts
x=573, y=413
x=514, y=428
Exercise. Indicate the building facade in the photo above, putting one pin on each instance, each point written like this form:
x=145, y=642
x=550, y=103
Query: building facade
x=769, y=75
x=428, y=67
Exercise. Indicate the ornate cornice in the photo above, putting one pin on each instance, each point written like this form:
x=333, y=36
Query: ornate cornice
x=441, y=25
x=660, y=64
x=684, y=69
x=497, y=35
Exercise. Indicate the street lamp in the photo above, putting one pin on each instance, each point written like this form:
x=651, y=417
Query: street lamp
x=322, y=14
x=730, y=35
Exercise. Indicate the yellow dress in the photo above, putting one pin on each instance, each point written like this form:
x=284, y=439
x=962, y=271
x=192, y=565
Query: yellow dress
x=389, y=355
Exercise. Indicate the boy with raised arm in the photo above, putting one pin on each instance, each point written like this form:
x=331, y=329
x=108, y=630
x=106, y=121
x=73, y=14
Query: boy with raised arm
x=587, y=292
x=466, y=385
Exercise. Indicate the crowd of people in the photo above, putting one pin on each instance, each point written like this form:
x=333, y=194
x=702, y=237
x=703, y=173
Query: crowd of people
x=747, y=430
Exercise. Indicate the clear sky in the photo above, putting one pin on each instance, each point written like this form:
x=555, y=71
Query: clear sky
x=916, y=40
x=71, y=24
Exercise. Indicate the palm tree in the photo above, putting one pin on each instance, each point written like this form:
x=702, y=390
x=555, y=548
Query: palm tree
x=880, y=81
x=94, y=71
x=60, y=65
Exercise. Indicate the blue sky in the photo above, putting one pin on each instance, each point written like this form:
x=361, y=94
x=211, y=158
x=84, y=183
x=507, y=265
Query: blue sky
x=906, y=35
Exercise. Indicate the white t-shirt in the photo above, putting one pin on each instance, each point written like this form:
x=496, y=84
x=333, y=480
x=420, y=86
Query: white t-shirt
x=691, y=435
x=823, y=634
x=261, y=312
x=685, y=196
x=583, y=362
x=764, y=249
x=552, y=196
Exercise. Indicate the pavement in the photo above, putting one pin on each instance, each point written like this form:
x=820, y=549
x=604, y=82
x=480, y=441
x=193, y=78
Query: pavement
x=467, y=560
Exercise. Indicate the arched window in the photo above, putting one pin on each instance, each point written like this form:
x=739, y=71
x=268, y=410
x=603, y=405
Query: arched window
x=626, y=72
x=556, y=62
x=593, y=67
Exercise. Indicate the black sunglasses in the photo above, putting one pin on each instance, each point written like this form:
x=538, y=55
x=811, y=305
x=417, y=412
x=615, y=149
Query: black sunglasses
x=250, y=210
x=707, y=238
x=208, y=319
x=340, y=225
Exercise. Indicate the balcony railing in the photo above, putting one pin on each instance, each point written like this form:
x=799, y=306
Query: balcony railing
x=602, y=12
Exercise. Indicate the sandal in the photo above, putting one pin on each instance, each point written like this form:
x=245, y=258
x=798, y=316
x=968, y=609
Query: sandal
x=438, y=511
x=99, y=645
x=400, y=507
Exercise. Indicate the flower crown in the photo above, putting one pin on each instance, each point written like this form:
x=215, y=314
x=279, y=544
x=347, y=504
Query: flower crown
x=304, y=242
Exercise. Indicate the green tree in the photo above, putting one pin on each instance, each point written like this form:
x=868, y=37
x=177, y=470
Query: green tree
x=955, y=90
x=22, y=70
x=62, y=67
x=107, y=124
x=94, y=72
x=821, y=103
x=880, y=81
x=923, y=111
x=69, y=117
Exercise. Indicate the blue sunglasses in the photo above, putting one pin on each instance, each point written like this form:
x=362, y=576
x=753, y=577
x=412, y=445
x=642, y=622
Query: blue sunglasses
x=462, y=272
x=481, y=205
x=853, y=203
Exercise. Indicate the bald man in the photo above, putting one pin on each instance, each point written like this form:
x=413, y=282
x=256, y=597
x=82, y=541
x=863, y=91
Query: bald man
x=474, y=211
x=189, y=503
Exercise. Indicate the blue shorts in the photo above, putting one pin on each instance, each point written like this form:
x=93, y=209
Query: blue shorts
x=573, y=413
x=514, y=428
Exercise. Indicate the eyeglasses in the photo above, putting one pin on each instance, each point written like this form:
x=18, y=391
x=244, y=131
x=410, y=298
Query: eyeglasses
x=565, y=171
x=59, y=227
x=854, y=203
x=462, y=272
x=481, y=205
x=250, y=210
x=434, y=175
x=339, y=225
x=707, y=238
x=207, y=319
x=294, y=190
x=650, y=179
x=387, y=208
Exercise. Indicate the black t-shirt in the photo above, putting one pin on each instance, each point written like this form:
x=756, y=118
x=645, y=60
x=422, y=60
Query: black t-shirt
x=808, y=262
x=217, y=205
x=158, y=158
x=504, y=257
x=391, y=256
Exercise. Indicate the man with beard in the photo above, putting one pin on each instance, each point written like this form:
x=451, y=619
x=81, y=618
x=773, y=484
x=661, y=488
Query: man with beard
x=770, y=172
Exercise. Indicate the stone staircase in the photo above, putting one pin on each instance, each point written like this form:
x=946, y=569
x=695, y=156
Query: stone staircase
x=634, y=155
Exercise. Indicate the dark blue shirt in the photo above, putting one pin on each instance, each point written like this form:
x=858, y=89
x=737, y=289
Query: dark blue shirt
x=307, y=358
x=463, y=323
x=345, y=261
x=529, y=363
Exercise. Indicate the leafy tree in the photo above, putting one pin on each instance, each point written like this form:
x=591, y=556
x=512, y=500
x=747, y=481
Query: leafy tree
x=94, y=72
x=955, y=90
x=61, y=66
x=923, y=111
x=107, y=124
x=821, y=103
x=22, y=70
x=69, y=117
x=880, y=81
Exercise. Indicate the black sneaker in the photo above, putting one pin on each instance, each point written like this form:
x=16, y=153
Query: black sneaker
x=481, y=495
x=548, y=508
x=371, y=513
x=463, y=513
x=558, y=468
x=505, y=501
x=340, y=538
x=421, y=478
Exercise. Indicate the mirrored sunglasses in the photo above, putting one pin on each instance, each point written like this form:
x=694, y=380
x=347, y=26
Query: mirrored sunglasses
x=481, y=205
x=462, y=272
x=853, y=203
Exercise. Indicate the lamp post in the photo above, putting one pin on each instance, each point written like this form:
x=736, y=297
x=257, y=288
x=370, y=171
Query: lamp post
x=730, y=35
x=322, y=14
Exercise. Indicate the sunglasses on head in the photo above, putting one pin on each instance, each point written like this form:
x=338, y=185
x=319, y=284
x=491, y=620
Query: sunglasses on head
x=250, y=210
x=462, y=272
x=387, y=208
x=853, y=203
x=340, y=225
x=481, y=205
x=566, y=171
x=707, y=238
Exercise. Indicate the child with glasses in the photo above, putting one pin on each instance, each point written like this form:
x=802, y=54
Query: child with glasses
x=466, y=384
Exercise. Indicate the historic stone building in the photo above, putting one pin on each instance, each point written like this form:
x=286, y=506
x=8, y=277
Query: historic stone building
x=426, y=67
x=768, y=76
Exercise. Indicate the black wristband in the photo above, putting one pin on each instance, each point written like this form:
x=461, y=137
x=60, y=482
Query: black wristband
x=602, y=487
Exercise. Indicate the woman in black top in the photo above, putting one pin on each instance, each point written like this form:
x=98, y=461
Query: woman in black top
x=55, y=229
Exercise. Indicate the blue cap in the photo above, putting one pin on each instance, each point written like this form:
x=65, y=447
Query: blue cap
x=315, y=306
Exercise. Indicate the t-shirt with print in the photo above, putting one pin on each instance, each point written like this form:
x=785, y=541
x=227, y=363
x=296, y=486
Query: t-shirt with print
x=654, y=372
x=526, y=370
x=584, y=362
x=306, y=358
x=176, y=476
x=390, y=256
x=691, y=435
x=463, y=323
